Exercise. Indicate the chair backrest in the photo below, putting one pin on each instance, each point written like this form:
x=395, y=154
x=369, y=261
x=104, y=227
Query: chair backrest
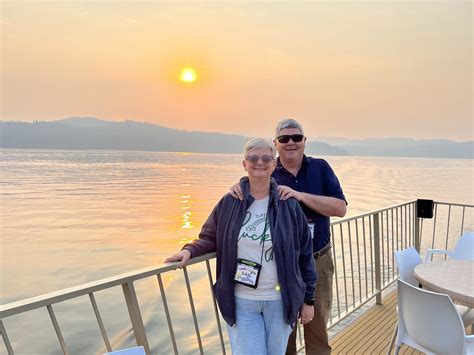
x=138, y=350
x=406, y=260
x=430, y=319
x=464, y=249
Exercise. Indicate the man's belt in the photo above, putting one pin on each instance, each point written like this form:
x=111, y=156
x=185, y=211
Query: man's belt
x=322, y=251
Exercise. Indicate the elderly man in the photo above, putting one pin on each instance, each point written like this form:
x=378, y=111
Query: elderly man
x=314, y=185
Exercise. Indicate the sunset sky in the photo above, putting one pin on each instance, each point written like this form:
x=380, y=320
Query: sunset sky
x=343, y=69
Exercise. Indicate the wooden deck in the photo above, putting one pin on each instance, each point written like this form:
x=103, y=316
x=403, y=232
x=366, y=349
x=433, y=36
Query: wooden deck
x=371, y=332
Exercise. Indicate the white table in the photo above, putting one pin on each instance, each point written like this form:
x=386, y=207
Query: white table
x=452, y=277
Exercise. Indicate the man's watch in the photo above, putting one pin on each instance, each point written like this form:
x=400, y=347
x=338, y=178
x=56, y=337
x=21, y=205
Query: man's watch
x=309, y=302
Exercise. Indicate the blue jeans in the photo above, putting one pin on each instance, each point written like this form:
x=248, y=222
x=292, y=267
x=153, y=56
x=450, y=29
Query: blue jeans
x=260, y=328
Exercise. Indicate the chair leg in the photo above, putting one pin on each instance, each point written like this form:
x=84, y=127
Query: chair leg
x=397, y=349
x=392, y=341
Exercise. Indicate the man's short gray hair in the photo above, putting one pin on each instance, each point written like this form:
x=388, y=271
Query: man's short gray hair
x=288, y=123
x=259, y=143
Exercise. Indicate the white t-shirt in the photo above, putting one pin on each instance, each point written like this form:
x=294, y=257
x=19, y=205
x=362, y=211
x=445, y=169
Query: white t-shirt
x=255, y=244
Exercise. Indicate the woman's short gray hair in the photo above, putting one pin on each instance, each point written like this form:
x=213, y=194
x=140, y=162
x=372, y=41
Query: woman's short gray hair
x=288, y=123
x=259, y=143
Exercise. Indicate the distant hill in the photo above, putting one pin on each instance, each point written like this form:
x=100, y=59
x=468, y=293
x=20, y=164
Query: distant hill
x=93, y=133
x=321, y=148
x=404, y=147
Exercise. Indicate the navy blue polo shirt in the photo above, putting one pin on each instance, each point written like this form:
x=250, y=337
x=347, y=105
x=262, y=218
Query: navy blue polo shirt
x=315, y=177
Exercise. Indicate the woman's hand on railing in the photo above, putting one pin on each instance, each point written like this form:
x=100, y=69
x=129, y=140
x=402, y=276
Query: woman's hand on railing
x=183, y=256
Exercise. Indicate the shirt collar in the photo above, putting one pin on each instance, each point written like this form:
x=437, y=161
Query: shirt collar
x=248, y=199
x=303, y=163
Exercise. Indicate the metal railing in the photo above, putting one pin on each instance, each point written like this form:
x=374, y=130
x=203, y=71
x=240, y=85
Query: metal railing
x=126, y=281
x=363, y=248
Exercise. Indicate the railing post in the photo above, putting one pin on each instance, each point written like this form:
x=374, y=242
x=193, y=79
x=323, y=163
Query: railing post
x=378, y=273
x=135, y=315
x=100, y=322
x=8, y=345
x=57, y=329
x=416, y=223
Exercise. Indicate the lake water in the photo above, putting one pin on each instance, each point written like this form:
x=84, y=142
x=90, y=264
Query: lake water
x=69, y=217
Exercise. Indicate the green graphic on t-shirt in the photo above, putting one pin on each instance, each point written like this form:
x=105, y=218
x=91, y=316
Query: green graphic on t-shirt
x=268, y=256
x=250, y=232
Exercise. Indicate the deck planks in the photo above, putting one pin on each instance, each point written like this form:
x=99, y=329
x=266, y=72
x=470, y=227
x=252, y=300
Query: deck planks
x=371, y=333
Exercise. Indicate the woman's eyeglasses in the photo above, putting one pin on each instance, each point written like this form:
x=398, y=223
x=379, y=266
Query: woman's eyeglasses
x=253, y=159
x=286, y=138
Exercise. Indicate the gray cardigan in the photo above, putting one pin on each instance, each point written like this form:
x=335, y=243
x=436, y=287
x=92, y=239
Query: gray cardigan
x=292, y=247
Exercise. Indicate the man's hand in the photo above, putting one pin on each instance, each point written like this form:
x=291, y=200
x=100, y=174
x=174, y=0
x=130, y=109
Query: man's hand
x=325, y=205
x=306, y=313
x=183, y=256
x=286, y=192
x=236, y=192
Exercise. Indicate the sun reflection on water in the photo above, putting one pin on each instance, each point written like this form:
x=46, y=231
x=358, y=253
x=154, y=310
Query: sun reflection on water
x=186, y=217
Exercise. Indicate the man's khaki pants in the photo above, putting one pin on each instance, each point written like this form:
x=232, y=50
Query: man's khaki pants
x=315, y=332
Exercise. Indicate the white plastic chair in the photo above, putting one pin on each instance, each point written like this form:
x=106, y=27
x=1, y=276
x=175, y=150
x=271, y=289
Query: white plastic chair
x=464, y=249
x=407, y=260
x=138, y=350
x=428, y=322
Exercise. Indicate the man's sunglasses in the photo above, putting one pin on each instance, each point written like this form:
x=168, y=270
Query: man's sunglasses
x=286, y=138
x=253, y=159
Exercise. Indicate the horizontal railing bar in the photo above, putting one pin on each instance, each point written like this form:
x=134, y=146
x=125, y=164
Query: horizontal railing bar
x=371, y=213
x=90, y=287
x=453, y=204
x=343, y=220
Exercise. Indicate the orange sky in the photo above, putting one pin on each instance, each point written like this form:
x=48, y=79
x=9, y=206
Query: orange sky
x=348, y=69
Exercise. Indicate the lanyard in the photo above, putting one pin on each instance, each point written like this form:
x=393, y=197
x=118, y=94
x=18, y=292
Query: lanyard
x=263, y=236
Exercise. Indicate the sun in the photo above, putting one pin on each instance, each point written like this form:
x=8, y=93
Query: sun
x=187, y=75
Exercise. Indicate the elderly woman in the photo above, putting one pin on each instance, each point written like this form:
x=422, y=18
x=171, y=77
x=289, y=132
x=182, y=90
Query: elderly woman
x=265, y=268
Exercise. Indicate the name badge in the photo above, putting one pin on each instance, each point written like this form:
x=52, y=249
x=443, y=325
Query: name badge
x=311, y=229
x=247, y=273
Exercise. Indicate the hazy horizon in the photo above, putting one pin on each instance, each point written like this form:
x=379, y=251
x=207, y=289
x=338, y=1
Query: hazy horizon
x=265, y=135
x=379, y=69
